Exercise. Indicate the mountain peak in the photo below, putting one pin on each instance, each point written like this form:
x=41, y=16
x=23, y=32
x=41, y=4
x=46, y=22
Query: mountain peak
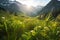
x=55, y=0
x=53, y=6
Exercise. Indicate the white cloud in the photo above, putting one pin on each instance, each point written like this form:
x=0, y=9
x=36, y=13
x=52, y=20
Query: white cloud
x=34, y=2
x=58, y=0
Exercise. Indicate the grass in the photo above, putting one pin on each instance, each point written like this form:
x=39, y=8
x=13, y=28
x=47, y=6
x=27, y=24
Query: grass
x=28, y=28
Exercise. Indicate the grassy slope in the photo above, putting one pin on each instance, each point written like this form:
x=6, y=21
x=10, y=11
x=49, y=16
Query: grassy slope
x=28, y=28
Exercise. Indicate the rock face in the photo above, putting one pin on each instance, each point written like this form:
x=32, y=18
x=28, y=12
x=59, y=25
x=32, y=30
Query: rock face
x=53, y=6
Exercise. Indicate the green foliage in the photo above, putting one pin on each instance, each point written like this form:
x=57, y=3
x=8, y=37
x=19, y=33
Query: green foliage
x=28, y=28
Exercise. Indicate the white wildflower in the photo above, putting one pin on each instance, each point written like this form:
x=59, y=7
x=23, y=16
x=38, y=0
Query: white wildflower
x=46, y=28
x=58, y=32
x=39, y=26
x=3, y=17
x=31, y=31
x=20, y=22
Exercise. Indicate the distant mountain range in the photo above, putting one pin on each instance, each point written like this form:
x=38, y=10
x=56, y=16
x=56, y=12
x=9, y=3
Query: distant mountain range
x=19, y=7
x=12, y=7
x=37, y=9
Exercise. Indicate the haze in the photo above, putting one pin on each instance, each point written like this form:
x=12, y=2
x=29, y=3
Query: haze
x=34, y=2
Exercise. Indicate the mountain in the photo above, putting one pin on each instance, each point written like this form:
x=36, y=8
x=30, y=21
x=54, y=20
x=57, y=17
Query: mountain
x=39, y=7
x=35, y=10
x=53, y=6
x=16, y=7
x=12, y=6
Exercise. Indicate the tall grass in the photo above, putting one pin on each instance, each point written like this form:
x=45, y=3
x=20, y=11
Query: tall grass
x=27, y=28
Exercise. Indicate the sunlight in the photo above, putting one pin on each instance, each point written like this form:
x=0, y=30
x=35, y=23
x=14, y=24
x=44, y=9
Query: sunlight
x=34, y=2
x=28, y=6
x=28, y=3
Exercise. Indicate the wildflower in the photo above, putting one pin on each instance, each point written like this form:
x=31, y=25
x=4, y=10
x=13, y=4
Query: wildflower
x=20, y=22
x=58, y=32
x=46, y=28
x=31, y=31
x=55, y=24
x=39, y=26
x=3, y=17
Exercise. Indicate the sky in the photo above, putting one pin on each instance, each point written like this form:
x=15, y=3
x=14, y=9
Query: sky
x=34, y=2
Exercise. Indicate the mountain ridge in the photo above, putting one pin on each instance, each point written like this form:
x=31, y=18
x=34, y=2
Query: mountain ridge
x=53, y=6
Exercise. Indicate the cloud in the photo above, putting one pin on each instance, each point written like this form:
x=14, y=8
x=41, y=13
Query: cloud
x=34, y=2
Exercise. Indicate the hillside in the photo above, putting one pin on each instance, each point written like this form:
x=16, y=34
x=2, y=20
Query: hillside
x=28, y=28
x=53, y=6
x=22, y=22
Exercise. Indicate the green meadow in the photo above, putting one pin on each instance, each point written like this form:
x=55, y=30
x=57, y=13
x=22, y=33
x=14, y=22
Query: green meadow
x=22, y=27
